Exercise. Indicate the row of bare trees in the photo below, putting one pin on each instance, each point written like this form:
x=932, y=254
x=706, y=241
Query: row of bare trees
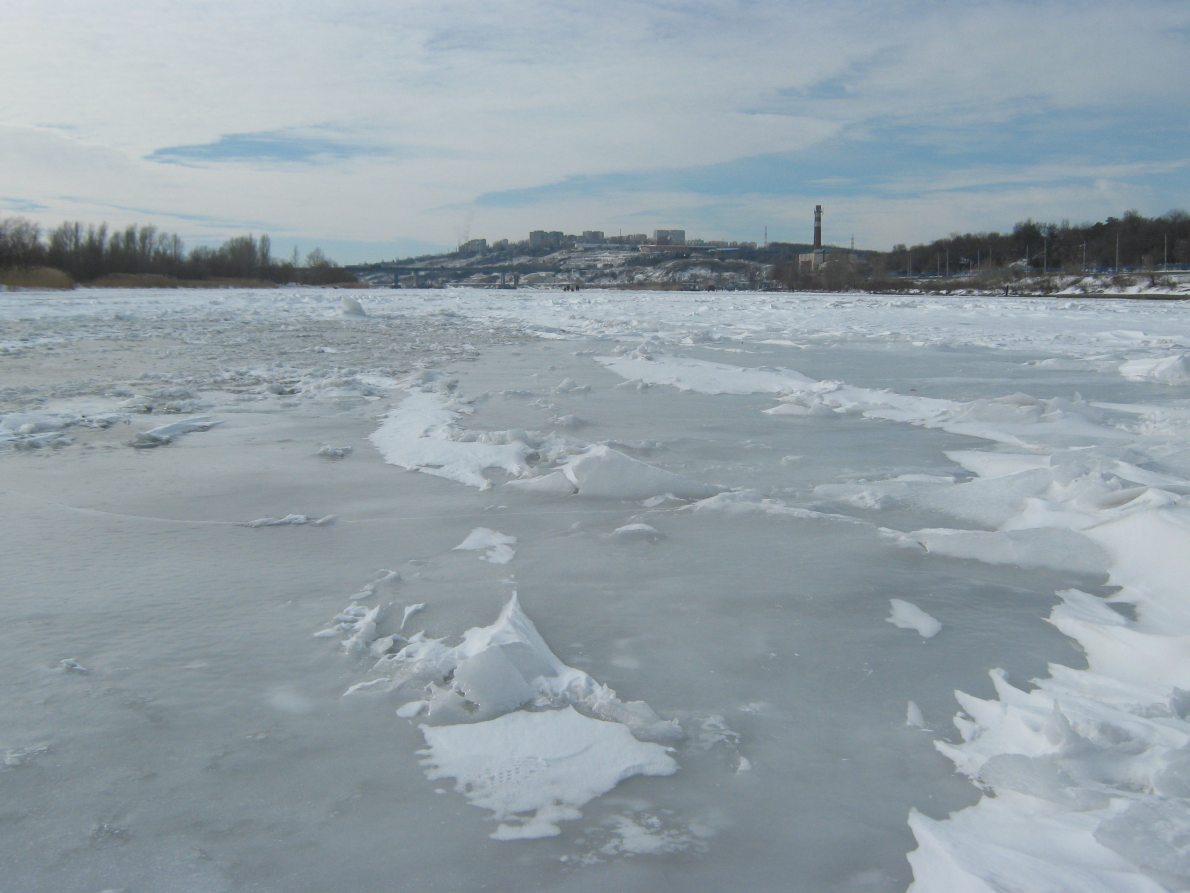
x=87, y=252
x=1132, y=242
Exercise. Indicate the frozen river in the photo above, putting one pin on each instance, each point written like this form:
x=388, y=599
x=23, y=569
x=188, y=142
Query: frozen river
x=479, y=590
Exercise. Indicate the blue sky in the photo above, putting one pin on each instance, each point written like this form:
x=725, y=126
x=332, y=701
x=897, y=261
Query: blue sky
x=378, y=130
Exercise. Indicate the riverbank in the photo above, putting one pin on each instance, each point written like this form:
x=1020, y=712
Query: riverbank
x=57, y=280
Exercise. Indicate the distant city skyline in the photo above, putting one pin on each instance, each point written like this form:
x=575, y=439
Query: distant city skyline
x=376, y=130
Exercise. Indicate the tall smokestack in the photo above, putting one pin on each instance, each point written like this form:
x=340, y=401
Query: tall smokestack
x=817, y=226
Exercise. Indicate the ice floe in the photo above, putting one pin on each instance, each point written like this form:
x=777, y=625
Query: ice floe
x=636, y=531
x=525, y=736
x=292, y=521
x=164, y=434
x=334, y=452
x=736, y=503
x=602, y=472
x=31, y=430
x=1166, y=370
x=507, y=666
x=1009, y=419
x=495, y=546
x=351, y=308
x=706, y=377
x=22, y=756
x=420, y=434
x=913, y=716
x=357, y=625
x=533, y=770
x=906, y=615
x=1050, y=548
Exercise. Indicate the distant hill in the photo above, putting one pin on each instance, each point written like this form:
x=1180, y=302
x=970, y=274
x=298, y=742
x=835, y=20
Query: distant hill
x=692, y=267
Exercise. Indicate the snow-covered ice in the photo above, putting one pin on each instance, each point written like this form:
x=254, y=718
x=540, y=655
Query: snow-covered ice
x=545, y=763
x=777, y=592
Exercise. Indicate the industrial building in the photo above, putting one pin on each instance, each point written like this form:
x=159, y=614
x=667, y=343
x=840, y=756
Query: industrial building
x=820, y=256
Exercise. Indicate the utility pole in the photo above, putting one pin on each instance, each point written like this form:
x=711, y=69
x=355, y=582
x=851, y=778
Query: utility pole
x=1165, y=262
x=1084, y=256
x=1117, y=251
x=1045, y=257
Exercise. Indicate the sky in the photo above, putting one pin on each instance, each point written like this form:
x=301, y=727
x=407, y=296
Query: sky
x=377, y=130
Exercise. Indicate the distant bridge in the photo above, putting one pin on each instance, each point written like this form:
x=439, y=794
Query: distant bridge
x=402, y=274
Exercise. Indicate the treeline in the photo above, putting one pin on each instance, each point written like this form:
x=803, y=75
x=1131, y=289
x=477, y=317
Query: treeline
x=1130, y=243
x=89, y=253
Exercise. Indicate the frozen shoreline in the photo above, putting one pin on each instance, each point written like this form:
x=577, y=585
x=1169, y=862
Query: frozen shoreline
x=717, y=498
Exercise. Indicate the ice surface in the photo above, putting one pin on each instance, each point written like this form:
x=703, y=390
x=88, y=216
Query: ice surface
x=718, y=503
